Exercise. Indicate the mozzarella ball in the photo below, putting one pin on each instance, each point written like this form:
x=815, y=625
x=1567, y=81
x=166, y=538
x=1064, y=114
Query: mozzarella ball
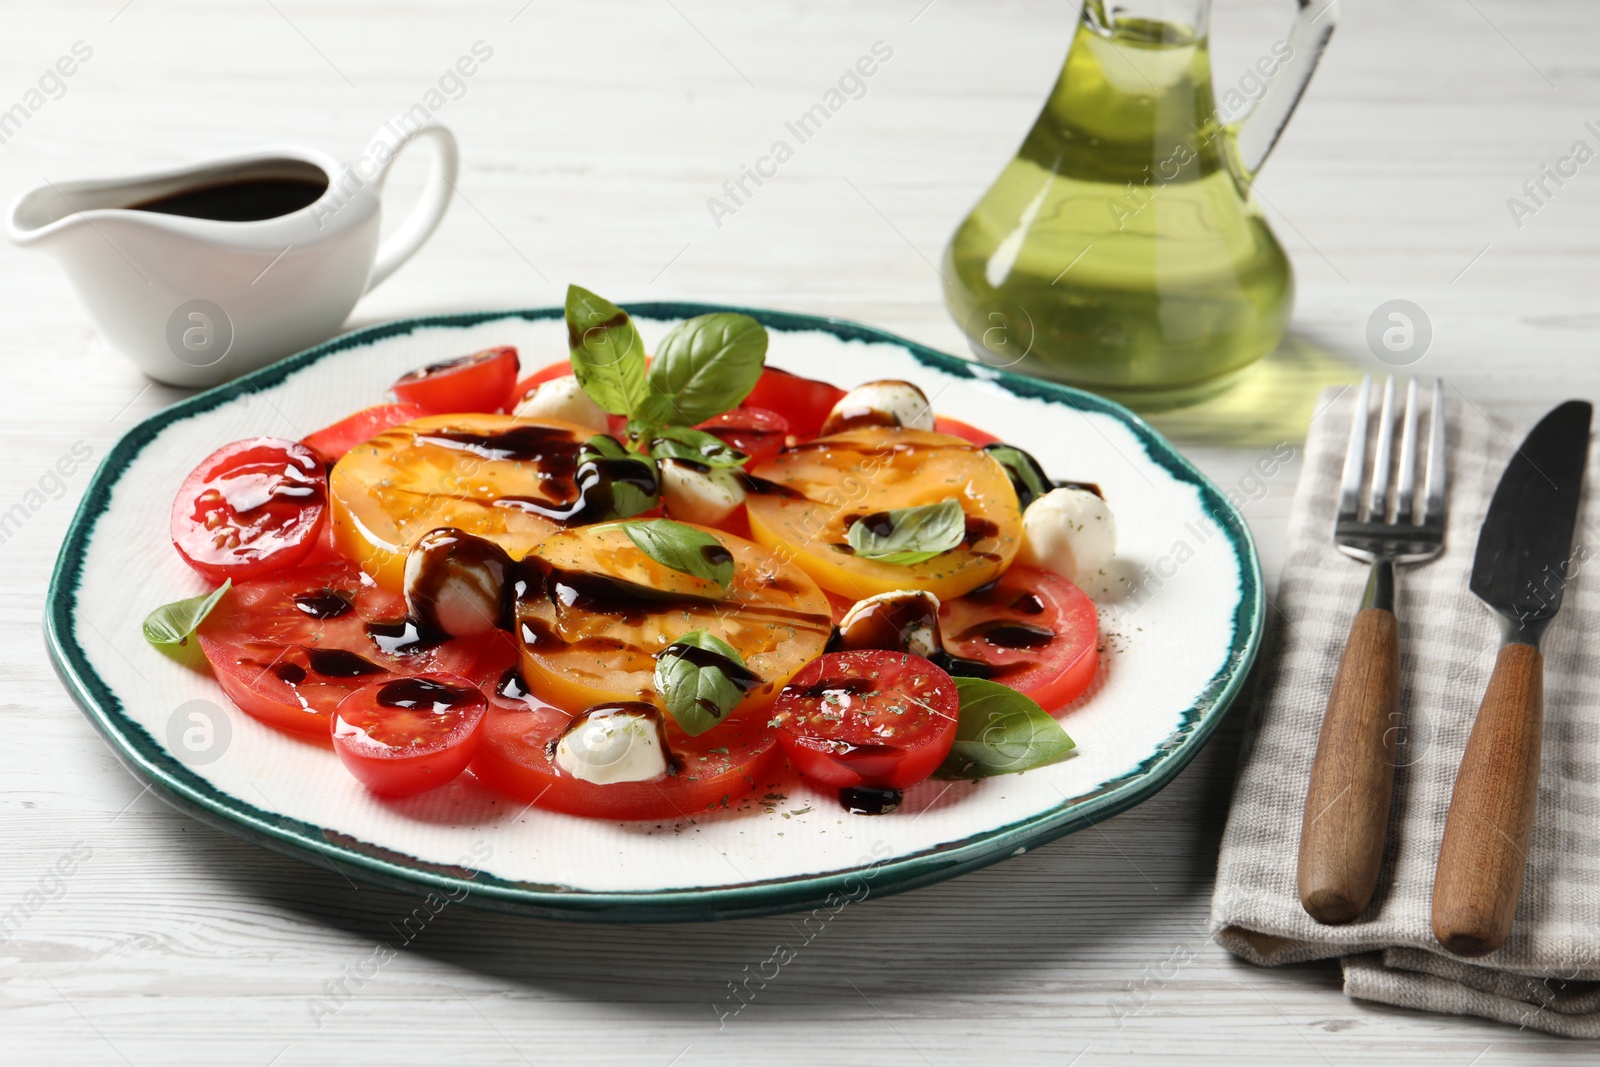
x=455, y=583
x=563, y=399
x=886, y=403
x=1069, y=531
x=906, y=620
x=694, y=492
x=614, y=743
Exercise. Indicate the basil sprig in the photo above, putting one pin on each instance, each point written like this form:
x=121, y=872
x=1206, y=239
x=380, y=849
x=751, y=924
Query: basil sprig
x=1000, y=731
x=682, y=548
x=175, y=623
x=906, y=536
x=703, y=366
x=701, y=678
x=685, y=442
x=607, y=353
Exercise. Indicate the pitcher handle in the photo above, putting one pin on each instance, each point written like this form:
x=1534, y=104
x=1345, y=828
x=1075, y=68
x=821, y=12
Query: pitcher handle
x=1258, y=129
x=430, y=208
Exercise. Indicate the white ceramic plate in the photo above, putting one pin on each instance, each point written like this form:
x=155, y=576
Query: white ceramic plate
x=1178, y=641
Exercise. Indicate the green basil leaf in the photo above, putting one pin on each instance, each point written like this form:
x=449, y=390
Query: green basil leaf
x=1000, y=731
x=607, y=353
x=603, y=446
x=174, y=623
x=619, y=480
x=685, y=442
x=701, y=678
x=1027, y=476
x=909, y=535
x=682, y=548
x=705, y=366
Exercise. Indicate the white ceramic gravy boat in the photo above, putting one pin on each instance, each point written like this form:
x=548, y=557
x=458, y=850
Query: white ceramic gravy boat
x=195, y=301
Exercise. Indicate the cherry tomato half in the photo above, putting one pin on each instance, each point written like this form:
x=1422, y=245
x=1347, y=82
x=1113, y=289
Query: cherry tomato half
x=1037, y=631
x=250, y=507
x=757, y=432
x=875, y=719
x=334, y=441
x=404, y=736
x=482, y=381
x=805, y=402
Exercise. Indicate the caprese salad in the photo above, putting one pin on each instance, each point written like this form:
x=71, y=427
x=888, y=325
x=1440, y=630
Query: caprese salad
x=632, y=587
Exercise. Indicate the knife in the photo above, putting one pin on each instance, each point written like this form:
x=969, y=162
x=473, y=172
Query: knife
x=1521, y=570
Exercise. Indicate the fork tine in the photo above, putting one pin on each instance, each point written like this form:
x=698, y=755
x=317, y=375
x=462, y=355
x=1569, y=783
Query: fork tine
x=1433, y=485
x=1355, y=454
x=1405, y=484
x=1382, y=455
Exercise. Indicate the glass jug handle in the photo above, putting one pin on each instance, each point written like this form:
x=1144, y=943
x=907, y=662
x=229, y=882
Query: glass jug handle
x=1258, y=129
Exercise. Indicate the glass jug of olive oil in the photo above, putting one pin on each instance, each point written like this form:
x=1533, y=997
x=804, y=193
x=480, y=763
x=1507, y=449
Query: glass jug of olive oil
x=1121, y=251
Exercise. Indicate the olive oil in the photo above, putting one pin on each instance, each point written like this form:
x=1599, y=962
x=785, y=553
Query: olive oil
x=1119, y=251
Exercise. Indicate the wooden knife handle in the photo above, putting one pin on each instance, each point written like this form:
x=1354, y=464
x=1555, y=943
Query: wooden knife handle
x=1484, y=853
x=1352, y=780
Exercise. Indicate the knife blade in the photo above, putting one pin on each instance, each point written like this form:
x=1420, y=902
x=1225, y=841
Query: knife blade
x=1524, y=561
x=1526, y=539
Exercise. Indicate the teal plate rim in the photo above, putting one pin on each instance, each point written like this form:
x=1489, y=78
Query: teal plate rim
x=177, y=784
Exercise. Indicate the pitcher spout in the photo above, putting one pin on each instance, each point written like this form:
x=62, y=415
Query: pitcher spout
x=41, y=217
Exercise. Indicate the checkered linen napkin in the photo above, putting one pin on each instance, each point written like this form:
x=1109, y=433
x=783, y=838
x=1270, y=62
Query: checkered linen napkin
x=1547, y=976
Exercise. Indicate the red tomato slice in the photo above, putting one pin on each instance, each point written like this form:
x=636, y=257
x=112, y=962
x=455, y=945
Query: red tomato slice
x=404, y=736
x=757, y=432
x=250, y=507
x=1037, y=632
x=561, y=368
x=873, y=719
x=334, y=441
x=944, y=424
x=289, y=647
x=482, y=381
x=805, y=402
x=516, y=757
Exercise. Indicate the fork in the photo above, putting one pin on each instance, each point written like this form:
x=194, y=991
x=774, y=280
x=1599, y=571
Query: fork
x=1352, y=779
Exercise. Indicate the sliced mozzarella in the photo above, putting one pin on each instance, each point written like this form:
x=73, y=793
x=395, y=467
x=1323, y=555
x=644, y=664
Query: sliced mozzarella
x=614, y=743
x=455, y=583
x=696, y=493
x=563, y=399
x=906, y=620
x=1069, y=531
x=886, y=403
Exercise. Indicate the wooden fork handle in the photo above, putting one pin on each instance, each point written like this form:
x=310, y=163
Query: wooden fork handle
x=1352, y=779
x=1483, y=856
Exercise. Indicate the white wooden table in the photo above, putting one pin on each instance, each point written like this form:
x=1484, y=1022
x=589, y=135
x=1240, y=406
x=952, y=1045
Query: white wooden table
x=592, y=140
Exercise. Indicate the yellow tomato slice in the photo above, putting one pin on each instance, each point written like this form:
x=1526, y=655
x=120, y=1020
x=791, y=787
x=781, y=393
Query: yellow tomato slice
x=820, y=488
x=451, y=470
x=590, y=637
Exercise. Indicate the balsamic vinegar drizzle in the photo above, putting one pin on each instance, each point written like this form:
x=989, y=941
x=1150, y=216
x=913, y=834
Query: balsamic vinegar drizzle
x=425, y=693
x=1004, y=633
x=403, y=637
x=324, y=604
x=580, y=489
x=869, y=800
x=339, y=663
x=511, y=686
